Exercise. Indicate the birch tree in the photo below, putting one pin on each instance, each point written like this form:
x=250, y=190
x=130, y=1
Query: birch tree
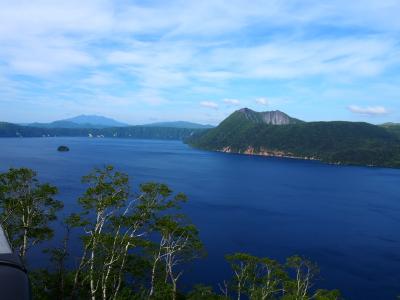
x=241, y=271
x=26, y=209
x=265, y=280
x=115, y=222
x=304, y=274
x=301, y=285
x=257, y=278
x=106, y=195
x=179, y=243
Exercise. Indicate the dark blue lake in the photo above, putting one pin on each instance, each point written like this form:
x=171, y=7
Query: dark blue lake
x=346, y=219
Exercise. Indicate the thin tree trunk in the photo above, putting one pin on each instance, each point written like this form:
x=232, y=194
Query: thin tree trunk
x=120, y=271
x=153, y=275
x=25, y=244
x=92, y=289
x=81, y=264
x=173, y=289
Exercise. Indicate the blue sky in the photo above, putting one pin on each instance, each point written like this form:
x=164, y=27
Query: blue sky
x=147, y=61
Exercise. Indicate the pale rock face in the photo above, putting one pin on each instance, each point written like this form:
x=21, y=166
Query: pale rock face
x=275, y=118
x=268, y=117
x=266, y=152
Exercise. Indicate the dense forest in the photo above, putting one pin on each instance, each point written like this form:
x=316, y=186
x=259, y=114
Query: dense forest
x=131, y=245
x=333, y=142
x=139, y=132
x=393, y=128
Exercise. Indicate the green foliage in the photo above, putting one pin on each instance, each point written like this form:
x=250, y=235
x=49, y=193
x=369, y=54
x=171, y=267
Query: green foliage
x=333, y=142
x=116, y=226
x=26, y=209
x=258, y=278
x=179, y=243
x=202, y=292
x=262, y=278
x=393, y=128
x=107, y=190
x=327, y=295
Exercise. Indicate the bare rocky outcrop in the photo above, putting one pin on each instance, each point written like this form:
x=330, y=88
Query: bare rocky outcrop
x=266, y=152
x=275, y=117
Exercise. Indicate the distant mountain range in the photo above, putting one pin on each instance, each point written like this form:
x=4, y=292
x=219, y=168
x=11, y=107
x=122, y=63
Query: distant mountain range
x=93, y=121
x=277, y=134
x=179, y=124
x=82, y=121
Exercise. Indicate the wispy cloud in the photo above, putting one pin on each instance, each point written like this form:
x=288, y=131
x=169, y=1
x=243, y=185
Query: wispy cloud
x=368, y=110
x=209, y=104
x=100, y=79
x=262, y=101
x=231, y=101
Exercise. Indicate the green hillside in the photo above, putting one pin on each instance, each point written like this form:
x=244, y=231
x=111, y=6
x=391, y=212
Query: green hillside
x=393, y=128
x=333, y=142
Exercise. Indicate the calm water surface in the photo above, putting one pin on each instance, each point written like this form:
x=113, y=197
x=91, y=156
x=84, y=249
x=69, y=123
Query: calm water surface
x=347, y=219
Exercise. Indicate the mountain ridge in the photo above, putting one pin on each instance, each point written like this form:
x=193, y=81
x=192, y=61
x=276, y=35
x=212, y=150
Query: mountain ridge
x=179, y=124
x=98, y=122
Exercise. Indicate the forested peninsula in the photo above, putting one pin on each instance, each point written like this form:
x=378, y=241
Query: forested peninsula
x=277, y=134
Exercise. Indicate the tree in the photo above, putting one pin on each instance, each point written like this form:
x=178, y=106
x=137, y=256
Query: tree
x=266, y=279
x=304, y=272
x=301, y=287
x=106, y=195
x=258, y=278
x=179, y=243
x=26, y=209
x=241, y=269
x=115, y=226
x=263, y=278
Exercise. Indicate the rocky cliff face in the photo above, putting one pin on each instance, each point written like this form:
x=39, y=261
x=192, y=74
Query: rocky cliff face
x=268, y=117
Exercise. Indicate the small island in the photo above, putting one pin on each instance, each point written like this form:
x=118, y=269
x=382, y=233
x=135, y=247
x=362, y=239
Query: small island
x=63, y=149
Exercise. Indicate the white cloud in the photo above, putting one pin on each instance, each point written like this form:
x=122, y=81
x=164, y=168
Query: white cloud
x=209, y=104
x=298, y=58
x=32, y=57
x=369, y=110
x=262, y=101
x=206, y=45
x=174, y=48
x=231, y=101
